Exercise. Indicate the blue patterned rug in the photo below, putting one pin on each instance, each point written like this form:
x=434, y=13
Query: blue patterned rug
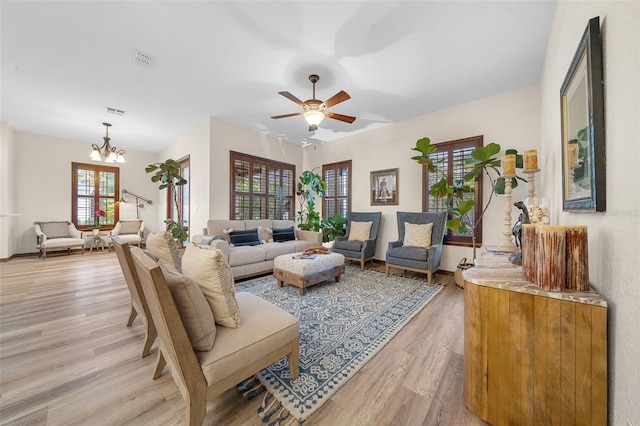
x=342, y=325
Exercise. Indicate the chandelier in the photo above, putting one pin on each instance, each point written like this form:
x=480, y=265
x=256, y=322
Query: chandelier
x=106, y=152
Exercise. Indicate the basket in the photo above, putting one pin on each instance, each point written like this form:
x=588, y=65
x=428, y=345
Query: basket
x=463, y=265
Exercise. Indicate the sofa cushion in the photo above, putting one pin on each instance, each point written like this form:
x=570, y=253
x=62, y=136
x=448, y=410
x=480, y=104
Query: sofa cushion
x=264, y=328
x=207, y=267
x=55, y=229
x=249, y=237
x=351, y=245
x=163, y=246
x=412, y=253
x=194, y=310
x=359, y=231
x=283, y=234
x=244, y=255
x=273, y=250
x=417, y=235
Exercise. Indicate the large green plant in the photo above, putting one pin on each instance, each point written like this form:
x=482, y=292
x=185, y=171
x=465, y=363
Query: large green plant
x=333, y=226
x=310, y=186
x=482, y=160
x=168, y=174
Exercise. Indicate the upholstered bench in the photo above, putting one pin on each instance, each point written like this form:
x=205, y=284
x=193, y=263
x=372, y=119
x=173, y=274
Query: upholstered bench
x=303, y=273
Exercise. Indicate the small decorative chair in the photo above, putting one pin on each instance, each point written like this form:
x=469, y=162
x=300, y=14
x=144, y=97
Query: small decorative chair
x=131, y=231
x=57, y=235
x=138, y=302
x=359, y=243
x=419, y=247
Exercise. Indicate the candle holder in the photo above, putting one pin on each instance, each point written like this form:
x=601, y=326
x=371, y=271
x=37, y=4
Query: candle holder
x=531, y=182
x=507, y=242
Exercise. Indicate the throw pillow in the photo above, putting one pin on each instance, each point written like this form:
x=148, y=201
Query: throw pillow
x=417, y=235
x=283, y=234
x=163, y=246
x=359, y=231
x=129, y=226
x=244, y=238
x=207, y=267
x=55, y=229
x=193, y=308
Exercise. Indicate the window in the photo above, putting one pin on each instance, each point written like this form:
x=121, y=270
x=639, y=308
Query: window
x=450, y=158
x=183, y=194
x=261, y=188
x=94, y=187
x=337, y=197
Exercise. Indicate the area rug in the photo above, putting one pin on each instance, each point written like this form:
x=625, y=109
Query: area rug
x=342, y=325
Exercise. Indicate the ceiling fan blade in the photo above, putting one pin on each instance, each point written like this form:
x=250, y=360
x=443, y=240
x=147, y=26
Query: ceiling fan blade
x=286, y=115
x=291, y=98
x=347, y=118
x=341, y=96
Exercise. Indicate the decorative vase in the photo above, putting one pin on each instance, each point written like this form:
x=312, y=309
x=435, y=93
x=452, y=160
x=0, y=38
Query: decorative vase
x=96, y=232
x=538, y=210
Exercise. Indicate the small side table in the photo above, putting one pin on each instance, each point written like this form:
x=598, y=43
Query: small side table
x=97, y=240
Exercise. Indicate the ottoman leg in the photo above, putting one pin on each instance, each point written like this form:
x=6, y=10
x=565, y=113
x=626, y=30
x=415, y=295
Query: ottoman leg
x=280, y=283
x=301, y=291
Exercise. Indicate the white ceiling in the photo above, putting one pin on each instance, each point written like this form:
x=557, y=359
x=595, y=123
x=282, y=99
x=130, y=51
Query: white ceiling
x=64, y=62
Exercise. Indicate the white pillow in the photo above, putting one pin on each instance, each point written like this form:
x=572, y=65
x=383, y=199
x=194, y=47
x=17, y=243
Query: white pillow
x=359, y=231
x=417, y=235
x=163, y=246
x=207, y=267
x=193, y=308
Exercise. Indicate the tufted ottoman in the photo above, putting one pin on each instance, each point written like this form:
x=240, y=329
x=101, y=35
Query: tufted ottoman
x=303, y=273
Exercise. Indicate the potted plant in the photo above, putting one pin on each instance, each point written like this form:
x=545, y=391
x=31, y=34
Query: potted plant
x=482, y=160
x=332, y=227
x=310, y=186
x=168, y=174
x=96, y=223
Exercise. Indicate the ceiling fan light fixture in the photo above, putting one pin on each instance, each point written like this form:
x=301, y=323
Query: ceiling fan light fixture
x=313, y=117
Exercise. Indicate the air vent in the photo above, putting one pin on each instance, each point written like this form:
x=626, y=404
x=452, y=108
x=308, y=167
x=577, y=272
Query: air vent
x=115, y=111
x=142, y=59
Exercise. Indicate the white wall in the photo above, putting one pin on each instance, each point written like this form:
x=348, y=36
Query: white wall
x=614, y=240
x=511, y=119
x=43, y=182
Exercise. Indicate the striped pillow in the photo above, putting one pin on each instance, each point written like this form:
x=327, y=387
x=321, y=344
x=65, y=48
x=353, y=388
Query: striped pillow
x=244, y=238
x=283, y=234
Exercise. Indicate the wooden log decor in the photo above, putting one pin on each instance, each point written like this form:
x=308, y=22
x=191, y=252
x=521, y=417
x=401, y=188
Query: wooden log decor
x=550, y=257
x=577, y=258
x=529, y=252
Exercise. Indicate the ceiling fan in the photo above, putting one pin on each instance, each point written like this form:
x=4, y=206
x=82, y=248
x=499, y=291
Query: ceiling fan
x=314, y=110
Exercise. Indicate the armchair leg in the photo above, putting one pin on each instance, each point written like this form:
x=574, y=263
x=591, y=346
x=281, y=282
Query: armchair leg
x=386, y=269
x=160, y=364
x=132, y=316
x=429, y=278
x=362, y=264
x=149, y=338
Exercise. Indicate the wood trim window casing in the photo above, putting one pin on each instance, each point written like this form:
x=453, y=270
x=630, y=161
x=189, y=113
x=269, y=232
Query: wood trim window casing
x=338, y=177
x=454, y=152
x=260, y=188
x=97, y=194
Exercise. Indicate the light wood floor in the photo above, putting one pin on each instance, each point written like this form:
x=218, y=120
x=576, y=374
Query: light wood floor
x=67, y=358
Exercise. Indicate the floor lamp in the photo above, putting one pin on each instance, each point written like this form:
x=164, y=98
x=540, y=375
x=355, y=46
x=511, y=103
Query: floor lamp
x=139, y=205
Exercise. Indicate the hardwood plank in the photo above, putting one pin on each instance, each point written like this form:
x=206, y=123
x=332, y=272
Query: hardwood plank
x=568, y=362
x=599, y=366
x=67, y=357
x=583, y=364
x=526, y=359
x=540, y=351
x=554, y=361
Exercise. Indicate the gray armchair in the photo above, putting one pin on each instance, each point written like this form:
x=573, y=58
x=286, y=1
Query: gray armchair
x=354, y=248
x=417, y=259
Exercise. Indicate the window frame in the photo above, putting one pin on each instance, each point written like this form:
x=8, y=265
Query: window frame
x=335, y=167
x=269, y=165
x=452, y=238
x=97, y=168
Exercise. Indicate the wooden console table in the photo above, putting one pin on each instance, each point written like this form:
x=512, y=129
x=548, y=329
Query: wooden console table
x=532, y=357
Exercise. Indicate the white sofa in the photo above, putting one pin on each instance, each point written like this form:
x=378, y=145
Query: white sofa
x=246, y=261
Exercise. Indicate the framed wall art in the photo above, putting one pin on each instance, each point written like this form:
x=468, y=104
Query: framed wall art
x=384, y=187
x=583, y=135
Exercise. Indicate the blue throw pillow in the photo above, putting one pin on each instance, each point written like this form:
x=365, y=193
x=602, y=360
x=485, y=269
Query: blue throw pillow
x=283, y=234
x=244, y=238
